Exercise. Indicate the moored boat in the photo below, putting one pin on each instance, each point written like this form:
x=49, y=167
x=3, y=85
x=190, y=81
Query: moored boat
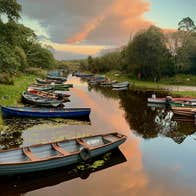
x=41, y=81
x=164, y=100
x=120, y=89
x=121, y=85
x=41, y=101
x=56, y=95
x=183, y=104
x=57, y=154
x=46, y=87
x=45, y=112
x=189, y=112
x=59, y=78
x=39, y=88
x=108, y=83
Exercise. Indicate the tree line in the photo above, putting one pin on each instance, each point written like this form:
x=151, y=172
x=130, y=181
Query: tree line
x=19, y=45
x=152, y=54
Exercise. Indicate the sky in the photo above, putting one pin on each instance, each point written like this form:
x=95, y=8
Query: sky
x=78, y=28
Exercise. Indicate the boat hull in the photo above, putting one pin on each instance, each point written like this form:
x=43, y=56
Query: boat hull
x=54, y=163
x=6, y=111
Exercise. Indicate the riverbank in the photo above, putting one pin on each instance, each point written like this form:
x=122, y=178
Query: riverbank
x=165, y=85
x=11, y=94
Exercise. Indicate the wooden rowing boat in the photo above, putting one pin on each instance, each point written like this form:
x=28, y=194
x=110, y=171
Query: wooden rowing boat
x=46, y=87
x=41, y=101
x=121, y=85
x=57, y=154
x=59, y=78
x=45, y=112
x=29, y=182
x=54, y=94
x=41, y=81
x=190, y=112
x=183, y=104
x=164, y=100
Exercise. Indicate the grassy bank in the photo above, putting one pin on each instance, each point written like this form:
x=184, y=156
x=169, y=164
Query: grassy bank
x=11, y=94
x=166, y=83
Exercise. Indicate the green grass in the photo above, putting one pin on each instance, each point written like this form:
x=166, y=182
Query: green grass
x=184, y=93
x=142, y=84
x=184, y=80
x=180, y=79
x=11, y=94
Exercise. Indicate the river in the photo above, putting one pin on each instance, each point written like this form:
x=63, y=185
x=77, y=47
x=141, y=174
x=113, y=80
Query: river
x=158, y=157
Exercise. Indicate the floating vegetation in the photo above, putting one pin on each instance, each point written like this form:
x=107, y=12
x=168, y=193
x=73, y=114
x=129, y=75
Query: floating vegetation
x=96, y=164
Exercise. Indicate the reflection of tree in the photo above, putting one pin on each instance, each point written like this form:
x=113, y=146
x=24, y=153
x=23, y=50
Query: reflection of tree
x=142, y=119
x=183, y=130
x=137, y=114
x=107, y=91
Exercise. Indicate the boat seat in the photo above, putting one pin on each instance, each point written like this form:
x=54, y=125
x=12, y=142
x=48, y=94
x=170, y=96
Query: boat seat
x=83, y=143
x=29, y=154
x=56, y=147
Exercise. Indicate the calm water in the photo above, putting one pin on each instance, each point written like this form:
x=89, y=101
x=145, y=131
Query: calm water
x=158, y=157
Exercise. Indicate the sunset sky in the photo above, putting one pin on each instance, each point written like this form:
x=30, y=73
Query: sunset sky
x=78, y=28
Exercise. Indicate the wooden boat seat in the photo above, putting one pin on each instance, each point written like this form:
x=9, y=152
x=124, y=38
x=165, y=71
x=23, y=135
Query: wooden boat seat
x=29, y=154
x=56, y=147
x=83, y=143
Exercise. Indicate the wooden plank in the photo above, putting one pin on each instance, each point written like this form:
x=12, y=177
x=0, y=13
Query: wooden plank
x=59, y=149
x=29, y=154
x=83, y=143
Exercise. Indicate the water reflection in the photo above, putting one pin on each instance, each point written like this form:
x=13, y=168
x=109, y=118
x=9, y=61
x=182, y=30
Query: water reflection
x=157, y=166
x=12, y=129
x=151, y=123
x=21, y=184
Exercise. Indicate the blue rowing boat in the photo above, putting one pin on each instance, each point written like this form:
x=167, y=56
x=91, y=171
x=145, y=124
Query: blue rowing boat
x=45, y=112
x=58, y=154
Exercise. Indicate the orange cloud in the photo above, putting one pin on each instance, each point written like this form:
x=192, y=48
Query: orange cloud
x=74, y=48
x=128, y=14
x=87, y=29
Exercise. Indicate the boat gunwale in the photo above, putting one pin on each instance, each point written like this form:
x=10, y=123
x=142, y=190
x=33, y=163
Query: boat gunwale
x=59, y=156
x=45, y=110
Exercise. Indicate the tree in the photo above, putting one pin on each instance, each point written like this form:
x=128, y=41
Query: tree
x=11, y=9
x=148, y=54
x=186, y=50
x=38, y=56
x=186, y=24
x=9, y=61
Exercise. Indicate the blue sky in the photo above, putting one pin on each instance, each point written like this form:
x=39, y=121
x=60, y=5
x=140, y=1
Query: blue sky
x=167, y=13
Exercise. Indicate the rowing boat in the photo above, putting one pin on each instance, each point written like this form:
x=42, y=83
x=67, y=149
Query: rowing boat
x=41, y=101
x=56, y=95
x=189, y=112
x=120, y=89
x=183, y=104
x=57, y=154
x=45, y=112
x=164, y=100
x=121, y=85
x=41, y=81
x=59, y=78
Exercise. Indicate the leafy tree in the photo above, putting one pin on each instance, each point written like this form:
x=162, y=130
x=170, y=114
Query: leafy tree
x=39, y=57
x=186, y=24
x=9, y=61
x=148, y=54
x=186, y=50
x=11, y=9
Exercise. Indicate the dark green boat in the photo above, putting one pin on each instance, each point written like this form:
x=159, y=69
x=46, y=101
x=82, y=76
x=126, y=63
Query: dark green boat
x=183, y=104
